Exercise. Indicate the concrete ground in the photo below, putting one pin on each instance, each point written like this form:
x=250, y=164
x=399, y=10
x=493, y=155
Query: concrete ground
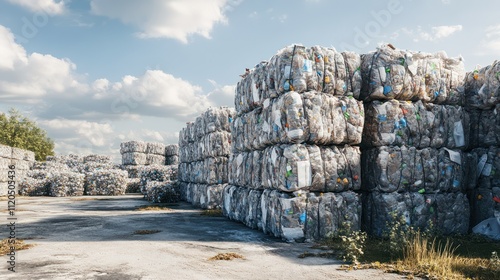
x=93, y=238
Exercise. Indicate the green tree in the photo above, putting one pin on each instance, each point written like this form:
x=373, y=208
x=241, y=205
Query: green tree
x=20, y=132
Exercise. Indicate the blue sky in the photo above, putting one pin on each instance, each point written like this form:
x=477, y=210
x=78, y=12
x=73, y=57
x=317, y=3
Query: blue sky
x=94, y=73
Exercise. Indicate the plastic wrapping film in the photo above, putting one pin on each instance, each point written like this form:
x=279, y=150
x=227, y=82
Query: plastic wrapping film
x=296, y=167
x=163, y=192
x=133, y=147
x=448, y=212
x=66, y=184
x=301, y=69
x=484, y=203
x=160, y=173
x=5, y=151
x=202, y=195
x=312, y=117
x=215, y=144
x=106, y=182
x=133, y=185
x=390, y=73
x=172, y=150
x=212, y=120
x=21, y=154
x=485, y=127
x=482, y=87
x=134, y=158
x=396, y=123
x=209, y=171
x=327, y=213
x=401, y=169
x=483, y=166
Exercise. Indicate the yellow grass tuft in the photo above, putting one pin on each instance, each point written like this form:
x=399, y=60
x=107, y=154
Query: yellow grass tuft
x=19, y=245
x=226, y=257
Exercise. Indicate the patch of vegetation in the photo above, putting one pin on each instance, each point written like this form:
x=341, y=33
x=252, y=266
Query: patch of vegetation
x=212, y=212
x=20, y=132
x=19, y=245
x=226, y=257
x=409, y=251
x=155, y=207
x=146, y=231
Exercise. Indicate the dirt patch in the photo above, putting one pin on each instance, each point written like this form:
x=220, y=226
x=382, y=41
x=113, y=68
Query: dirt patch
x=19, y=245
x=146, y=231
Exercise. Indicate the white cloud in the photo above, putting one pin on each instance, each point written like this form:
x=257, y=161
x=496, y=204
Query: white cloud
x=50, y=7
x=177, y=19
x=436, y=33
x=83, y=131
x=491, y=43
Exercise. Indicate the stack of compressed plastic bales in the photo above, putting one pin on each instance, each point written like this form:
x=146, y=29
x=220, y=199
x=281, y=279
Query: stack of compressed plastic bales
x=415, y=132
x=74, y=175
x=295, y=164
x=172, y=154
x=142, y=153
x=204, y=148
x=156, y=173
x=21, y=161
x=482, y=94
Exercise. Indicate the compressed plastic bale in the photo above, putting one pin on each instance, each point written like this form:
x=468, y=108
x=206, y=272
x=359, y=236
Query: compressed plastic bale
x=293, y=217
x=162, y=192
x=484, y=204
x=448, y=212
x=271, y=212
x=485, y=127
x=314, y=118
x=328, y=212
x=48, y=165
x=5, y=151
x=172, y=150
x=483, y=166
x=301, y=69
x=400, y=169
x=30, y=186
x=218, y=119
x=396, y=123
x=133, y=147
x=106, y=182
x=66, y=184
x=21, y=164
x=96, y=158
x=342, y=168
x=134, y=171
x=482, y=87
x=133, y=185
x=390, y=73
x=182, y=190
x=172, y=160
x=253, y=219
x=214, y=196
x=155, y=159
x=155, y=148
x=227, y=198
x=134, y=158
x=160, y=173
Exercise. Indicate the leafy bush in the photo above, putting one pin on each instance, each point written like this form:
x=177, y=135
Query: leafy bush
x=20, y=132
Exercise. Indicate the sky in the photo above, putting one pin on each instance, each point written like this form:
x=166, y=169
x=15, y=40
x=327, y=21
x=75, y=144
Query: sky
x=95, y=73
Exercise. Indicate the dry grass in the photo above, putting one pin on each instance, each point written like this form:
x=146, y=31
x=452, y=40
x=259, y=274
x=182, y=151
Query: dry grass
x=226, y=257
x=212, y=212
x=146, y=231
x=158, y=207
x=20, y=245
